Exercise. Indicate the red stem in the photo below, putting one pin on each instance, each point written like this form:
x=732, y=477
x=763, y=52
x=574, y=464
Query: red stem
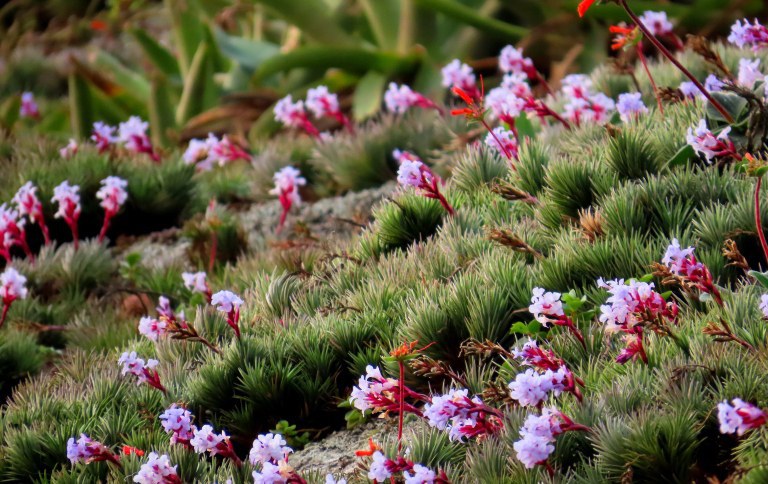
x=758, y=219
x=44, y=229
x=401, y=397
x=643, y=61
x=104, y=226
x=6, y=307
x=75, y=234
x=673, y=60
x=503, y=148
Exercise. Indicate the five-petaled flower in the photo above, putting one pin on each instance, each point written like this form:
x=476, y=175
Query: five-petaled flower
x=414, y=173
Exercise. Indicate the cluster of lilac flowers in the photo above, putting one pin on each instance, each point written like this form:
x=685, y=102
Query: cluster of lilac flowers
x=584, y=104
x=28, y=107
x=739, y=416
x=12, y=233
x=206, y=153
x=414, y=173
x=131, y=135
x=703, y=141
x=86, y=450
x=144, y=371
x=196, y=282
x=461, y=416
x=538, y=434
x=157, y=470
x=320, y=102
x=547, y=308
x=383, y=468
x=745, y=34
x=400, y=98
x=630, y=106
x=532, y=388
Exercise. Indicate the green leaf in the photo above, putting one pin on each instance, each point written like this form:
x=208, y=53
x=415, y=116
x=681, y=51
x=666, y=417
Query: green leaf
x=161, y=113
x=80, y=106
x=534, y=327
x=312, y=17
x=192, y=99
x=160, y=57
x=187, y=30
x=468, y=15
x=524, y=127
x=249, y=54
x=761, y=277
x=665, y=295
x=646, y=278
x=382, y=17
x=519, y=328
x=367, y=98
x=351, y=59
x=682, y=156
x=734, y=104
x=134, y=85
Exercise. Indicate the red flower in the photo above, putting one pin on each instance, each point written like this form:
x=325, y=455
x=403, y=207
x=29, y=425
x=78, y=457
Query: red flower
x=372, y=447
x=584, y=6
x=128, y=450
x=626, y=36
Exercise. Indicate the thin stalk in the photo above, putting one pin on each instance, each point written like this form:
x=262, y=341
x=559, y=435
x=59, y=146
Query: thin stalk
x=401, y=397
x=650, y=77
x=214, y=249
x=758, y=218
x=6, y=307
x=498, y=142
x=636, y=20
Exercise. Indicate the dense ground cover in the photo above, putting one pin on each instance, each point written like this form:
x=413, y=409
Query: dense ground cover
x=568, y=224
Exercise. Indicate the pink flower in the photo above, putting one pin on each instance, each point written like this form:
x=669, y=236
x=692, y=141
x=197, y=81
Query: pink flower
x=764, y=305
x=657, y=23
x=512, y=60
x=112, y=195
x=421, y=475
x=206, y=440
x=370, y=389
x=704, y=142
x=12, y=233
x=746, y=34
x=413, y=173
x=739, y=417
x=531, y=388
x=68, y=199
x=270, y=474
x=229, y=303
x=578, y=86
x=196, y=282
x=287, y=183
x=157, y=470
x=539, y=432
x=321, y=102
x=133, y=135
x=378, y=471
x=12, y=287
x=503, y=142
x=27, y=202
x=630, y=106
x=143, y=371
x=70, y=150
x=400, y=99
x=29, y=107
x=103, y=135
x=532, y=450
x=504, y=104
x=457, y=74
x=749, y=72
x=269, y=448
x=152, y=328
x=461, y=416
x=546, y=307
x=85, y=450
x=293, y=115
x=177, y=421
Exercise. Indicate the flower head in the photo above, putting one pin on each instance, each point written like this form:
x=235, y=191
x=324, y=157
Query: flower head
x=177, y=421
x=546, y=307
x=657, y=23
x=421, y=475
x=704, y=141
x=28, y=107
x=68, y=198
x=511, y=60
x=70, y=149
x=739, y=416
x=411, y=173
x=457, y=74
x=764, y=305
x=321, y=102
x=196, y=282
x=27, y=202
x=745, y=34
x=502, y=141
x=630, y=106
x=152, y=328
x=378, y=470
x=206, y=440
x=133, y=135
x=287, y=182
x=12, y=286
x=112, y=193
x=269, y=448
x=157, y=470
x=103, y=135
x=749, y=72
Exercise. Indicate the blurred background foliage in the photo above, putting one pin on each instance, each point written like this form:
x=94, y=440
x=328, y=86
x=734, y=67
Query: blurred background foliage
x=198, y=66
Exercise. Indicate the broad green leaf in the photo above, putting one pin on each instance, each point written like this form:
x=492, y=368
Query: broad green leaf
x=249, y=54
x=351, y=59
x=534, y=327
x=161, y=57
x=367, y=98
x=519, y=328
x=646, y=278
x=665, y=295
x=382, y=17
x=312, y=17
x=681, y=157
x=524, y=127
x=80, y=106
x=9, y=111
x=761, y=277
x=133, y=84
x=735, y=106
x=470, y=16
x=193, y=96
x=187, y=30
x=161, y=113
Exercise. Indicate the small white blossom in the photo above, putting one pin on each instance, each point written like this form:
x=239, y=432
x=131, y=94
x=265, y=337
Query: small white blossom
x=226, y=301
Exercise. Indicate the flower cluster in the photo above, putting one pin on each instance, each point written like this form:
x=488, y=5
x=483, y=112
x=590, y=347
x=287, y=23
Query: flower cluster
x=204, y=154
x=29, y=205
x=196, y=282
x=177, y=421
x=547, y=308
x=682, y=265
x=739, y=416
x=85, y=450
x=538, y=434
x=630, y=308
x=584, y=105
x=325, y=104
x=630, y=106
x=319, y=101
x=399, y=99
x=131, y=134
x=112, y=195
x=745, y=34
x=70, y=149
x=12, y=287
x=383, y=468
x=205, y=440
x=157, y=470
x=530, y=354
x=229, y=303
x=531, y=388
x=463, y=417
x=287, y=182
x=68, y=198
x=103, y=135
x=502, y=141
x=12, y=233
x=414, y=173
x=749, y=72
x=143, y=371
x=28, y=108
x=511, y=60
x=270, y=453
x=373, y=391
x=152, y=328
x=459, y=75
x=703, y=141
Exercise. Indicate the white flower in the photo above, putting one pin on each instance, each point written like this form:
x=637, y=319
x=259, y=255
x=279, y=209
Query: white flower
x=79, y=450
x=530, y=388
x=152, y=328
x=504, y=140
x=195, y=281
x=399, y=99
x=68, y=198
x=329, y=479
x=630, y=105
x=156, y=470
x=503, y=103
x=511, y=59
x=457, y=74
x=443, y=408
x=12, y=286
x=370, y=385
x=703, y=141
x=136, y=366
x=378, y=470
x=749, y=72
x=744, y=34
x=713, y=84
x=410, y=173
x=103, y=135
x=690, y=90
x=290, y=113
x=321, y=102
x=531, y=450
x=112, y=193
x=544, y=305
x=576, y=86
x=421, y=475
x=226, y=301
x=270, y=474
x=133, y=134
x=657, y=23
x=200, y=153
x=27, y=202
x=287, y=182
x=205, y=440
x=69, y=150
x=177, y=421
x=269, y=447
x=675, y=257
x=764, y=305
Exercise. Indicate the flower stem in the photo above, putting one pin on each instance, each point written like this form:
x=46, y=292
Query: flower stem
x=758, y=219
x=401, y=398
x=674, y=61
x=644, y=61
x=498, y=142
x=6, y=307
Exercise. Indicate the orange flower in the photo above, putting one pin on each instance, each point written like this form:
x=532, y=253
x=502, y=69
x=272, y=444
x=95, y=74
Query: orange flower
x=584, y=6
x=404, y=349
x=128, y=450
x=625, y=36
x=372, y=447
x=463, y=95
